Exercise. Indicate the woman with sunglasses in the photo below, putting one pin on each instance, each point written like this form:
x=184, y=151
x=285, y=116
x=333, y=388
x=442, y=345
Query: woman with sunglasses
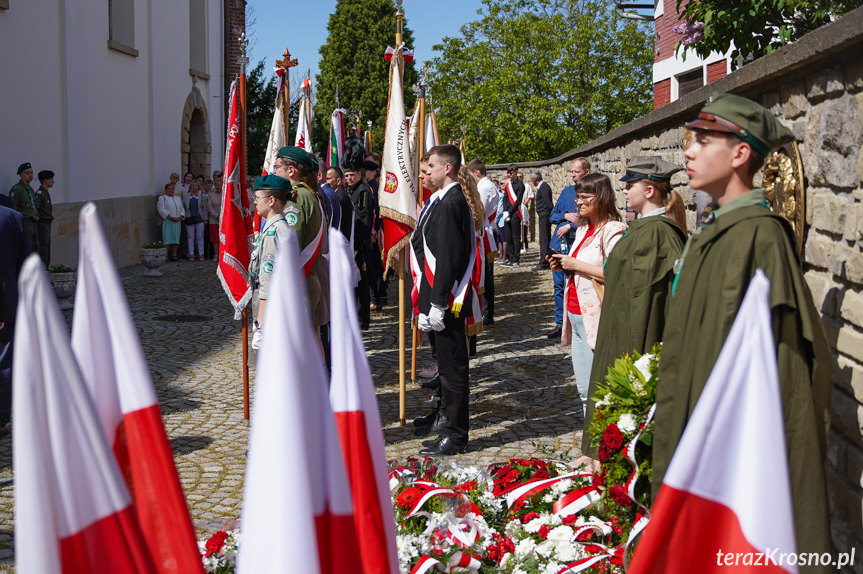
x=600, y=228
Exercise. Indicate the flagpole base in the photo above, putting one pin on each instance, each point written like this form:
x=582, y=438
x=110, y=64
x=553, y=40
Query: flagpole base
x=403, y=422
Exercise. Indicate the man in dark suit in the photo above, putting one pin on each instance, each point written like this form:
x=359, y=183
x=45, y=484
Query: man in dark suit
x=16, y=247
x=513, y=193
x=443, y=244
x=544, y=205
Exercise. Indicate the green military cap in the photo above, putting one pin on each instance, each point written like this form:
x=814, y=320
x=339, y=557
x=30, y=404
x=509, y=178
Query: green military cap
x=22, y=167
x=298, y=155
x=744, y=118
x=650, y=167
x=273, y=182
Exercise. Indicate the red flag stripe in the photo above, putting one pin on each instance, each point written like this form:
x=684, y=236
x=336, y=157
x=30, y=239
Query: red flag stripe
x=112, y=544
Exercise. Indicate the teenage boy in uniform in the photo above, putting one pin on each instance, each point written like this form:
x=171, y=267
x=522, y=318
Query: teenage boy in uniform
x=731, y=137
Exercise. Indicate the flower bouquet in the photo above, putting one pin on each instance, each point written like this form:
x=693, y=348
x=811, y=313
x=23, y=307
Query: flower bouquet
x=219, y=551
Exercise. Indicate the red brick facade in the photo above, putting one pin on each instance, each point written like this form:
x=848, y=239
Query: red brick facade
x=666, y=38
x=235, y=25
x=717, y=70
x=661, y=93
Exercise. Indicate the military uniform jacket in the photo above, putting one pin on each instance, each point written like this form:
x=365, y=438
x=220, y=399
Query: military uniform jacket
x=447, y=227
x=719, y=264
x=44, y=207
x=24, y=200
x=264, y=254
x=639, y=272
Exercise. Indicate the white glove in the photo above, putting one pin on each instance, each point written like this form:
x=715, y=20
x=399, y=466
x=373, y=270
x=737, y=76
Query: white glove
x=257, y=338
x=435, y=318
x=423, y=323
x=505, y=217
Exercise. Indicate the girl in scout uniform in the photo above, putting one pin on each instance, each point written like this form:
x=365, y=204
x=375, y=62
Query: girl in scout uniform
x=271, y=194
x=639, y=271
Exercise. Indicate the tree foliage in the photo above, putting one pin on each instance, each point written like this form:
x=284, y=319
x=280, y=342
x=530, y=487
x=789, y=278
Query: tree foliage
x=754, y=28
x=532, y=79
x=352, y=58
x=260, y=98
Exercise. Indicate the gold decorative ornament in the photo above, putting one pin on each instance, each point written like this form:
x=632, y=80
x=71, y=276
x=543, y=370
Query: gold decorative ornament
x=783, y=186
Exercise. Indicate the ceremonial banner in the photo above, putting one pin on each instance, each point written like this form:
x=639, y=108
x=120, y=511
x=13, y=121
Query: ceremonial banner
x=235, y=221
x=304, y=135
x=73, y=512
x=352, y=395
x=336, y=144
x=278, y=137
x=297, y=510
x=432, y=137
x=397, y=196
x=106, y=345
x=727, y=489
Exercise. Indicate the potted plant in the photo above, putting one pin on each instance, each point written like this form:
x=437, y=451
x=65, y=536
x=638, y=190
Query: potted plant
x=153, y=256
x=63, y=280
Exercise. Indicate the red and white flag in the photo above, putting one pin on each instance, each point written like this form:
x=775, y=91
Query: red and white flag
x=304, y=134
x=397, y=196
x=109, y=354
x=278, y=136
x=352, y=395
x=727, y=490
x=73, y=512
x=235, y=221
x=297, y=509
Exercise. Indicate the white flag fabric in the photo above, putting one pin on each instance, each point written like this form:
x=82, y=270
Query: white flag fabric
x=297, y=509
x=73, y=512
x=352, y=395
x=727, y=488
x=432, y=137
x=304, y=135
x=109, y=354
x=277, y=136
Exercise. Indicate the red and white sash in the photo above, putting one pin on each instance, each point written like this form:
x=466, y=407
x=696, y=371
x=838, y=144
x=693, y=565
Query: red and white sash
x=513, y=198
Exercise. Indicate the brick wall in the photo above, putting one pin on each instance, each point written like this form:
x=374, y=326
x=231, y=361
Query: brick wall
x=661, y=93
x=666, y=37
x=235, y=25
x=815, y=87
x=717, y=71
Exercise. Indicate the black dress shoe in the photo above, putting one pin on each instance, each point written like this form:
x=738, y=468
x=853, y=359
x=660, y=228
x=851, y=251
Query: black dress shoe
x=555, y=333
x=431, y=383
x=436, y=427
x=446, y=447
x=433, y=442
x=427, y=420
x=488, y=321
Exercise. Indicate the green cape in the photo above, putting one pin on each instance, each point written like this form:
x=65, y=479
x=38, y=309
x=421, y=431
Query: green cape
x=720, y=262
x=638, y=277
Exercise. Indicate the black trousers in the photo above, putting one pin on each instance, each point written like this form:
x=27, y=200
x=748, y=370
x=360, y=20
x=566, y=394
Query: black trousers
x=453, y=367
x=513, y=234
x=544, y=235
x=488, y=296
x=6, y=337
x=362, y=289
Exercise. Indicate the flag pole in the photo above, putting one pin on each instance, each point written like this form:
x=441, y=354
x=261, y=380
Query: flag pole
x=402, y=318
x=243, y=60
x=420, y=91
x=287, y=64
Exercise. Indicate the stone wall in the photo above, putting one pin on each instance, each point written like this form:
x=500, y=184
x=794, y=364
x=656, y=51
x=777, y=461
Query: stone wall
x=815, y=87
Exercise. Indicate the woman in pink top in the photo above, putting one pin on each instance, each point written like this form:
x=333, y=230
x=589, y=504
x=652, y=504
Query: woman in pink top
x=600, y=228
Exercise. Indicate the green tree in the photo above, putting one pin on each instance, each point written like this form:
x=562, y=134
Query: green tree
x=532, y=79
x=260, y=98
x=754, y=28
x=353, y=59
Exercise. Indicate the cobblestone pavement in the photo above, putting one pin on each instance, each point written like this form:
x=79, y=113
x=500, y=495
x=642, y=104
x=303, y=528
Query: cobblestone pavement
x=522, y=402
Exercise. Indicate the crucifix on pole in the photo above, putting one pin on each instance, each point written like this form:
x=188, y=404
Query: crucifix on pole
x=287, y=63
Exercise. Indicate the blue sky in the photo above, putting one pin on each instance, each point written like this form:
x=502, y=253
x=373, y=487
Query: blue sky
x=302, y=27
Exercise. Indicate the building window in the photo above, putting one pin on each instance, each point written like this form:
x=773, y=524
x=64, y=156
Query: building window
x=121, y=26
x=198, y=37
x=689, y=82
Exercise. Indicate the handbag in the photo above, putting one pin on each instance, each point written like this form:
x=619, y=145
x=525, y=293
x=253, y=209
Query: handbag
x=599, y=286
x=190, y=220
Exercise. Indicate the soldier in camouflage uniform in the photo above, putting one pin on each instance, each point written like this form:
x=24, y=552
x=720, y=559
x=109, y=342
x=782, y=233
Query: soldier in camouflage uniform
x=24, y=201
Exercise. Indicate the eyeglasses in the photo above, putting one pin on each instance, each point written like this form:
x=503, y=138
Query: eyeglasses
x=258, y=198
x=585, y=198
x=282, y=165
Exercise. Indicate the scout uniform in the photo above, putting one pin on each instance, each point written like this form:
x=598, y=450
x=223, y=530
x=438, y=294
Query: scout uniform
x=713, y=275
x=45, y=210
x=266, y=247
x=24, y=201
x=638, y=276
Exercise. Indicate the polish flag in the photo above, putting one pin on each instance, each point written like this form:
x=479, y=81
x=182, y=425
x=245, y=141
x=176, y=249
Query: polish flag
x=297, y=509
x=352, y=395
x=109, y=354
x=727, y=489
x=73, y=512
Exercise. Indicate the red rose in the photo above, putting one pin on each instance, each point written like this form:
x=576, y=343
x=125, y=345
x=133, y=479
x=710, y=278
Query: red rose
x=598, y=479
x=593, y=549
x=502, y=545
x=617, y=559
x=613, y=437
x=570, y=520
x=619, y=495
x=541, y=474
x=529, y=516
x=543, y=531
x=216, y=542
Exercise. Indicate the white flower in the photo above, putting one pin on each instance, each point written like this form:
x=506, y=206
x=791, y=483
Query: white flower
x=545, y=548
x=627, y=423
x=605, y=401
x=548, y=498
x=519, y=571
x=505, y=560
x=552, y=568
x=567, y=552
x=525, y=546
x=643, y=366
x=534, y=525
x=561, y=533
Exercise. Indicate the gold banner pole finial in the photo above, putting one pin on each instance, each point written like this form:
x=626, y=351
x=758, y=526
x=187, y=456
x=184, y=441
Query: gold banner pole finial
x=400, y=19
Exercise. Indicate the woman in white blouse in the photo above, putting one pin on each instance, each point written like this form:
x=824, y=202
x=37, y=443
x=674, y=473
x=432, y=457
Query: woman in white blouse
x=171, y=209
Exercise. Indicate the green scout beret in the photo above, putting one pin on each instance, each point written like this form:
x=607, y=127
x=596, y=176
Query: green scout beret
x=22, y=167
x=299, y=155
x=743, y=118
x=650, y=167
x=273, y=182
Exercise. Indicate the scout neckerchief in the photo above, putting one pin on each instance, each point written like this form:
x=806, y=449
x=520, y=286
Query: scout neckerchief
x=513, y=198
x=754, y=197
x=310, y=252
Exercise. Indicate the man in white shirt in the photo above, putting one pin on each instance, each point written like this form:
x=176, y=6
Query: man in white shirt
x=489, y=196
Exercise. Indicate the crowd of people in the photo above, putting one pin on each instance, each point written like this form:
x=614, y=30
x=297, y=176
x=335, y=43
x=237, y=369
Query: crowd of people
x=35, y=207
x=191, y=209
